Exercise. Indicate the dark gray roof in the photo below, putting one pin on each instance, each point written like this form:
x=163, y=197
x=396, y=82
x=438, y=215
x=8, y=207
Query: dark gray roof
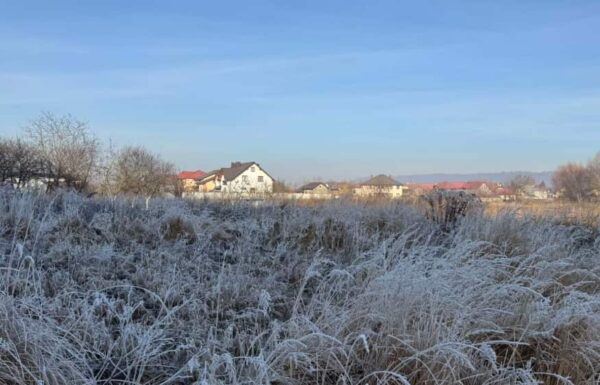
x=230, y=173
x=381, y=180
x=311, y=186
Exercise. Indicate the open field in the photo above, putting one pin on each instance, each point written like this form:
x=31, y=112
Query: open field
x=97, y=291
x=567, y=212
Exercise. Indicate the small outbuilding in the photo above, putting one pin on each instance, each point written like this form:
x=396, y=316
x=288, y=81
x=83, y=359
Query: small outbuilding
x=315, y=188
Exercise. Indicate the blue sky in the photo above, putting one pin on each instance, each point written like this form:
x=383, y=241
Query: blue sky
x=315, y=89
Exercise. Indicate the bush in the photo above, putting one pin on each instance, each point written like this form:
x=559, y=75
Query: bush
x=447, y=207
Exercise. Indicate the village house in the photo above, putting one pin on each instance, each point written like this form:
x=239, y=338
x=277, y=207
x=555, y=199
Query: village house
x=416, y=189
x=380, y=185
x=504, y=194
x=339, y=189
x=488, y=191
x=479, y=188
x=538, y=192
x=316, y=188
x=240, y=178
x=189, y=179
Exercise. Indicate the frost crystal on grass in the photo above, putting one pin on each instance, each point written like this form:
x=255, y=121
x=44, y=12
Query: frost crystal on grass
x=104, y=292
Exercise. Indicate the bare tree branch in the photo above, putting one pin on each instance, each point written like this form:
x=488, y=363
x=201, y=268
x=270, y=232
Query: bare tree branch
x=67, y=145
x=137, y=171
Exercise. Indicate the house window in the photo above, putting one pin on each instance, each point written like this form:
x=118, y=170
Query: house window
x=261, y=178
x=245, y=178
x=253, y=168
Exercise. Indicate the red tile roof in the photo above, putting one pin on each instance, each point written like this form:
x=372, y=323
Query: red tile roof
x=504, y=191
x=421, y=186
x=452, y=186
x=191, y=174
x=471, y=185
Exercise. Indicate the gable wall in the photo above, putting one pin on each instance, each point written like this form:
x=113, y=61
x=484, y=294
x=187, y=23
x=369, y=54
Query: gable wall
x=248, y=180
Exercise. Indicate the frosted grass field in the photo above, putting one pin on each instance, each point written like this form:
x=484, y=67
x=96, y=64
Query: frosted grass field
x=99, y=291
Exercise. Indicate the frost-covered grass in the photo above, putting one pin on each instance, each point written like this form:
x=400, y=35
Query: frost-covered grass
x=104, y=292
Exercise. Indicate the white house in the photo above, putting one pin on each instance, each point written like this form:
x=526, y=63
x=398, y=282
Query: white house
x=240, y=178
x=539, y=191
x=380, y=185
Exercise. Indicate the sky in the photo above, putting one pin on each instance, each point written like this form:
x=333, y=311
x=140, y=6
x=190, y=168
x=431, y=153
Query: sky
x=314, y=89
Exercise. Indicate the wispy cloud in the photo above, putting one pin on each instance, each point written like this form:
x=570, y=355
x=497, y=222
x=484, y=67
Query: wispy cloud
x=37, y=46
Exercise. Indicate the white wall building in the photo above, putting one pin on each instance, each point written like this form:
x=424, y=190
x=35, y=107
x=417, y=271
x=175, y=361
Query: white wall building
x=240, y=178
x=380, y=185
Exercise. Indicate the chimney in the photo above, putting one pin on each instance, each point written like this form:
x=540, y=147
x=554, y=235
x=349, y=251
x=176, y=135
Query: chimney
x=236, y=164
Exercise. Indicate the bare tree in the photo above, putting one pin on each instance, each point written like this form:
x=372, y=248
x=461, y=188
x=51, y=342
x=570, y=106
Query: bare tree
x=19, y=162
x=139, y=172
x=26, y=161
x=105, y=175
x=594, y=174
x=280, y=186
x=69, y=148
x=520, y=182
x=5, y=160
x=573, y=181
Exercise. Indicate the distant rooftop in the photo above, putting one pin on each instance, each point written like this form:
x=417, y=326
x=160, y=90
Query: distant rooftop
x=381, y=180
x=191, y=174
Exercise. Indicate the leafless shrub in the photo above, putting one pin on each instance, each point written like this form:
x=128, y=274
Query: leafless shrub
x=175, y=228
x=139, y=172
x=447, y=207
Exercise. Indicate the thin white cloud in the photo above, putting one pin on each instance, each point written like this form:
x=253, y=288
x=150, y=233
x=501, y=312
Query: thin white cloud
x=30, y=45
